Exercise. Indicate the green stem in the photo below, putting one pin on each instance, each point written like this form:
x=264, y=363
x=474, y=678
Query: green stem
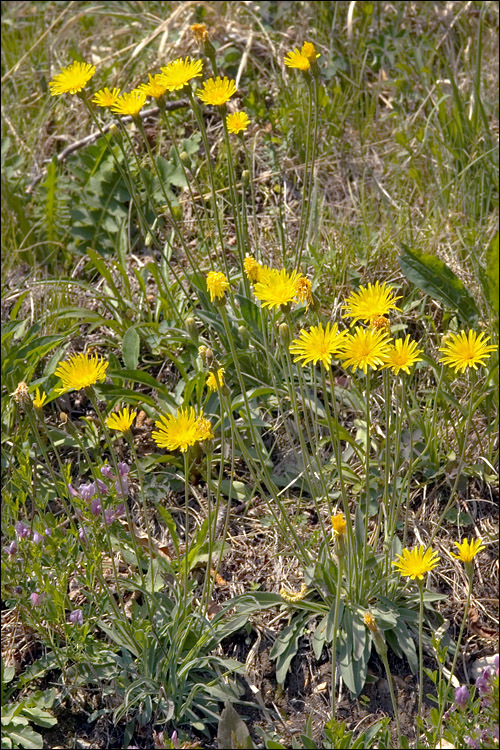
x=335, y=628
x=385, y=661
x=420, y=657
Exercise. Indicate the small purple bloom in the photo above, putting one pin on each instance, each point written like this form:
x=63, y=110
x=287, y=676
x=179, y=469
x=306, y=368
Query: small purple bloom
x=446, y=715
x=461, y=696
x=87, y=491
x=103, y=487
x=122, y=485
x=107, y=471
x=109, y=516
x=36, y=599
x=37, y=537
x=95, y=507
x=123, y=468
x=120, y=510
x=12, y=548
x=495, y=663
x=482, y=684
x=48, y=532
x=175, y=741
x=76, y=617
x=82, y=533
x=72, y=491
x=22, y=530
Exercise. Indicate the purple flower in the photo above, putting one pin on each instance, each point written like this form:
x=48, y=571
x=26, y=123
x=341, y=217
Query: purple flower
x=109, y=516
x=120, y=510
x=22, y=530
x=107, y=471
x=123, y=468
x=483, y=684
x=471, y=741
x=12, y=548
x=495, y=663
x=103, y=487
x=48, y=532
x=76, y=617
x=461, y=696
x=82, y=533
x=37, y=537
x=72, y=491
x=122, y=485
x=87, y=491
x=95, y=507
x=36, y=599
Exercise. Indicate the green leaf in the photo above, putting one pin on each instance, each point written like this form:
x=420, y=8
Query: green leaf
x=232, y=731
x=492, y=273
x=437, y=280
x=130, y=348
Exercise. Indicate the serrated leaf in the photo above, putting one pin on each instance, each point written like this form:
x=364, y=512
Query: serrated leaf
x=435, y=278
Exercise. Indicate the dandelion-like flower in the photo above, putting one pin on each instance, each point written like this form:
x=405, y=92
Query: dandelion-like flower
x=217, y=284
x=318, y=345
x=402, y=355
x=216, y=92
x=215, y=380
x=181, y=431
x=106, y=97
x=374, y=301
x=80, y=371
x=253, y=269
x=40, y=399
x=468, y=550
x=237, y=122
x=370, y=623
x=416, y=562
x=130, y=104
x=338, y=525
x=72, y=80
x=200, y=33
x=304, y=291
x=277, y=288
x=293, y=596
x=309, y=50
x=21, y=395
x=462, y=350
x=121, y=420
x=298, y=60
x=381, y=324
x=178, y=73
x=364, y=348
x=155, y=87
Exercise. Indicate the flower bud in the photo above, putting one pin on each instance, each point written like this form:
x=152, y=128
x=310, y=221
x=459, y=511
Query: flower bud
x=185, y=159
x=245, y=177
x=192, y=329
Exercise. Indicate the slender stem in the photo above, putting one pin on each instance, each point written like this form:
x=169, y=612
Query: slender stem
x=335, y=628
x=420, y=657
x=367, y=472
x=385, y=661
x=186, y=522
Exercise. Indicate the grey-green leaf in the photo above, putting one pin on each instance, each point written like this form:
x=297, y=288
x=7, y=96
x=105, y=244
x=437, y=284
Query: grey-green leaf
x=130, y=348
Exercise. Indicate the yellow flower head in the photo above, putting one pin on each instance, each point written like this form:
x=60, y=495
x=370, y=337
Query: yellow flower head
x=365, y=348
x=40, y=399
x=72, y=80
x=402, y=355
x=105, y=97
x=178, y=73
x=216, y=379
x=277, y=288
x=293, y=596
x=217, y=284
x=216, y=92
x=338, y=525
x=80, y=371
x=304, y=291
x=370, y=303
x=297, y=59
x=200, y=33
x=381, y=323
x=21, y=395
x=370, y=623
x=252, y=269
x=121, y=420
x=318, y=344
x=181, y=431
x=130, y=104
x=462, y=350
x=237, y=122
x=155, y=87
x=416, y=562
x=468, y=550
x=309, y=51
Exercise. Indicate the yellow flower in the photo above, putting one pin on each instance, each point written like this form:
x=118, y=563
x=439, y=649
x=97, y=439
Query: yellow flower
x=293, y=596
x=277, y=288
x=178, y=73
x=106, y=98
x=468, y=550
x=72, y=79
x=252, y=269
x=40, y=399
x=21, y=395
x=318, y=344
x=216, y=379
x=181, y=431
x=121, y=420
x=370, y=303
x=338, y=525
x=237, y=122
x=309, y=51
x=416, y=563
x=199, y=31
x=370, y=623
x=364, y=348
x=304, y=291
x=80, y=371
x=155, y=86
x=216, y=92
x=297, y=60
x=462, y=350
x=381, y=323
x=402, y=355
x=130, y=104
x=217, y=284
